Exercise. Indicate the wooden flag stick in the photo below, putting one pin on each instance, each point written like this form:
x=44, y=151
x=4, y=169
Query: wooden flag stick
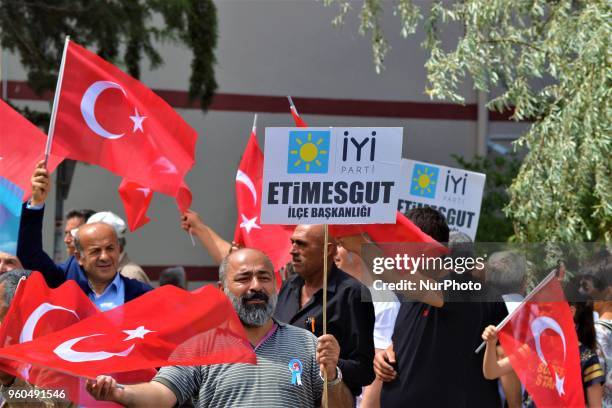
x=325, y=244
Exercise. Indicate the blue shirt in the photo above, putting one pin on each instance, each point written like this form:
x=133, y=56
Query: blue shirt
x=113, y=295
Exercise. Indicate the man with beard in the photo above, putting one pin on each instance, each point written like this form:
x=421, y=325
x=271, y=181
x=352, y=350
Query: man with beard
x=290, y=361
x=350, y=314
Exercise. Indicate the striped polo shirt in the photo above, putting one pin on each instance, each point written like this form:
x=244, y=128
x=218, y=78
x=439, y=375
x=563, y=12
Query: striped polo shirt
x=273, y=382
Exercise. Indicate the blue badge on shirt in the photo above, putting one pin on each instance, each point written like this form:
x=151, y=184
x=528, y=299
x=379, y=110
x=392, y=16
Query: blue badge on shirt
x=295, y=366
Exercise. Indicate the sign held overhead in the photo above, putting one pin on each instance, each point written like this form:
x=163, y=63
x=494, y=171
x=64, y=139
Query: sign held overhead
x=331, y=175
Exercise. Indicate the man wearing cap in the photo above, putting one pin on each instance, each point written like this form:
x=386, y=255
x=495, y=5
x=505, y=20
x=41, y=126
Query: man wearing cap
x=95, y=264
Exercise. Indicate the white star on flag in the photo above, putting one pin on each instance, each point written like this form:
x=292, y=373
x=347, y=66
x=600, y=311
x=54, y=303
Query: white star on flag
x=249, y=224
x=139, y=333
x=559, y=384
x=137, y=119
x=144, y=191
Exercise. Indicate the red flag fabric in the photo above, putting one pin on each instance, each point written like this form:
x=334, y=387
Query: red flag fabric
x=35, y=311
x=22, y=145
x=184, y=197
x=273, y=240
x=297, y=118
x=136, y=200
x=541, y=343
x=402, y=231
x=107, y=118
x=184, y=329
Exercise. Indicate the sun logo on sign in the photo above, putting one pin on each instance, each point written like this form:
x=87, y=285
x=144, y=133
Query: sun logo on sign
x=308, y=151
x=424, y=180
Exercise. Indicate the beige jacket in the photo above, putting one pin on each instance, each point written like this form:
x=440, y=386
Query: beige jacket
x=131, y=270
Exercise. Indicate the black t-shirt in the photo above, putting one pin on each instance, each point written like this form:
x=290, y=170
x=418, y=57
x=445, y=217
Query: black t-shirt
x=350, y=319
x=483, y=392
x=434, y=350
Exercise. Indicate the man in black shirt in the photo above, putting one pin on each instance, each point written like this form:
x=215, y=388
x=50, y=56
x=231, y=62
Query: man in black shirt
x=431, y=361
x=350, y=314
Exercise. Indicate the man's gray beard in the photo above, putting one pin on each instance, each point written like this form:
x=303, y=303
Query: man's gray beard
x=252, y=315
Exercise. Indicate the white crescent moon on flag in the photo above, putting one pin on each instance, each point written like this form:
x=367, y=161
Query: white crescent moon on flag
x=538, y=326
x=65, y=351
x=27, y=333
x=242, y=177
x=88, y=104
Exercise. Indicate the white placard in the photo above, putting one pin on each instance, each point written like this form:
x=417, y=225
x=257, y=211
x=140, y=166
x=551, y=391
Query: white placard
x=331, y=175
x=456, y=193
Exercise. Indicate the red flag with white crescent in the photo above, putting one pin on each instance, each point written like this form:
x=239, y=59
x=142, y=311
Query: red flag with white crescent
x=186, y=328
x=541, y=343
x=273, y=240
x=107, y=118
x=36, y=311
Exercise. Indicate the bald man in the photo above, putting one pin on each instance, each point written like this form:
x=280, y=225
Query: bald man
x=350, y=313
x=9, y=262
x=95, y=262
x=247, y=278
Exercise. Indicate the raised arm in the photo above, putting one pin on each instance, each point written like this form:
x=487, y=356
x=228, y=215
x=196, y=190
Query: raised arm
x=493, y=368
x=354, y=243
x=216, y=246
x=29, y=245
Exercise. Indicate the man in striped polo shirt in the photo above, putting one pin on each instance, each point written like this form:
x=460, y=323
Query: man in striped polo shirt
x=290, y=360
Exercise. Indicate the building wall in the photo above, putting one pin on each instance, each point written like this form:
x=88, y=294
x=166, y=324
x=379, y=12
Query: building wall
x=268, y=49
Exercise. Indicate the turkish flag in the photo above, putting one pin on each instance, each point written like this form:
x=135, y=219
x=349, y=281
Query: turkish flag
x=35, y=311
x=299, y=122
x=273, y=240
x=108, y=118
x=136, y=200
x=22, y=146
x=167, y=326
x=541, y=343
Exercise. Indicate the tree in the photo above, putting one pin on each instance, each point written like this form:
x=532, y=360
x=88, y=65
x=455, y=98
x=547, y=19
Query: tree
x=550, y=59
x=493, y=225
x=121, y=31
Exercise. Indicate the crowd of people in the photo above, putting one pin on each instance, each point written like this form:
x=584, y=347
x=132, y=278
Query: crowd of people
x=412, y=348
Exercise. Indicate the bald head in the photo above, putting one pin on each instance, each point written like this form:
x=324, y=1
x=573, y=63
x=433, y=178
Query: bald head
x=247, y=278
x=97, y=250
x=314, y=232
x=9, y=262
x=241, y=257
x=307, y=250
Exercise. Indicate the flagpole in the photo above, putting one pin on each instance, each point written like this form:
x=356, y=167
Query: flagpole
x=58, y=89
x=325, y=244
x=547, y=279
x=292, y=106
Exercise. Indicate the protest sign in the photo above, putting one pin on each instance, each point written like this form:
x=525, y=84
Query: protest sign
x=456, y=193
x=331, y=175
